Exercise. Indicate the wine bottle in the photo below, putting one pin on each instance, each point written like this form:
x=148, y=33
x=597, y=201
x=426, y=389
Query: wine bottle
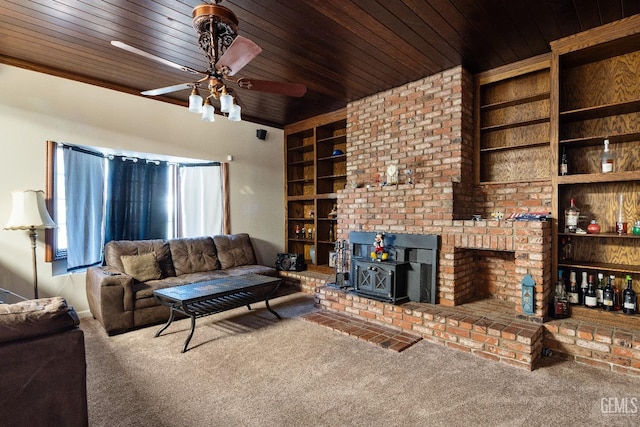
x=583, y=288
x=600, y=288
x=564, y=164
x=607, y=296
x=607, y=158
x=573, y=296
x=590, y=297
x=571, y=215
x=616, y=294
x=297, y=231
x=629, y=299
x=560, y=308
x=621, y=223
x=331, y=239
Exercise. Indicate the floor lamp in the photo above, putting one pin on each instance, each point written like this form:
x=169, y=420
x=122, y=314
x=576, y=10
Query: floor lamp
x=29, y=212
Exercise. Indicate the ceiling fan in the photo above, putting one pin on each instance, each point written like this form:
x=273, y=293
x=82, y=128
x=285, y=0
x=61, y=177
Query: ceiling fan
x=227, y=53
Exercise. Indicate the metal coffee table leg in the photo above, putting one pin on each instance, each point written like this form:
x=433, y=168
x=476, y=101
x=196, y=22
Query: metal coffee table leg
x=193, y=327
x=166, y=325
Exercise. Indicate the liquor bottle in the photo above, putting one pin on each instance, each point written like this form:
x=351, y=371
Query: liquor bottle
x=564, y=164
x=310, y=232
x=607, y=296
x=607, y=158
x=560, y=308
x=600, y=288
x=567, y=250
x=629, y=300
x=297, y=231
x=621, y=223
x=583, y=288
x=303, y=233
x=616, y=294
x=573, y=296
x=331, y=237
x=590, y=297
x=571, y=215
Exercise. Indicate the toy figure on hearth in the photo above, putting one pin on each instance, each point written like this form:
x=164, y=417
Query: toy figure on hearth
x=379, y=244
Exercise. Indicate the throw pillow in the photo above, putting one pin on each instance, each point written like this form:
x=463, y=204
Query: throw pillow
x=142, y=267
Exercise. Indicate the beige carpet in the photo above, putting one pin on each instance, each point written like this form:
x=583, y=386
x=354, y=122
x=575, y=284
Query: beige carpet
x=245, y=368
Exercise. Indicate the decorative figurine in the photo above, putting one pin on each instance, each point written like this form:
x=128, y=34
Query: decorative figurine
x=392, y=175
x=378, y=248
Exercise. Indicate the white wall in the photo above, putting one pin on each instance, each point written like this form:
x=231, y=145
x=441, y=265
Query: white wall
x=36, y=107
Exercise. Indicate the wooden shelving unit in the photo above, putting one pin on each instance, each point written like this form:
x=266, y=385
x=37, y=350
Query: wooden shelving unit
x=596, y=95
x=315, y=171
x=512, y=118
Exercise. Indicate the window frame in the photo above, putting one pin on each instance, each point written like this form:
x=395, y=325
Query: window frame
x=54, y=253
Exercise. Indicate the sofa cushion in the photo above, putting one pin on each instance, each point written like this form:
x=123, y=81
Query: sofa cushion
x=35, y=318
x=193, y=255
x=142, y=267
x=234, y=250
x=114, y=250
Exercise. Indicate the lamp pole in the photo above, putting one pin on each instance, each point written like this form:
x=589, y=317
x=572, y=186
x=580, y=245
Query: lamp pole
x=33, y=235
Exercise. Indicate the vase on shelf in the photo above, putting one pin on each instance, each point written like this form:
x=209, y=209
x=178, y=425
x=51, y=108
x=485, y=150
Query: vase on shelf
x=312, y=254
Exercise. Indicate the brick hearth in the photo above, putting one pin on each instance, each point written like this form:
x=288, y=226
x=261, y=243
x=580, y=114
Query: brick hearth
x=502, y=338
x=485, y=328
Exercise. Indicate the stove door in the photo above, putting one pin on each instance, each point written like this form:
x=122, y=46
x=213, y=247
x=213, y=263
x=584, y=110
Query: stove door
x=374, y=279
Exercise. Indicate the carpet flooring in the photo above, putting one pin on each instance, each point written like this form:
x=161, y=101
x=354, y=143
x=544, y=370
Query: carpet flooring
x=246, y=368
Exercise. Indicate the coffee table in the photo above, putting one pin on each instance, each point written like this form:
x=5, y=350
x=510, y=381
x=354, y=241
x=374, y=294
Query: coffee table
x=215, y=296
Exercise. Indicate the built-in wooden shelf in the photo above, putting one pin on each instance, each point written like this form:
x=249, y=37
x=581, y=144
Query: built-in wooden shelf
x=600, y=111
x=588, y=178
x=602, y=266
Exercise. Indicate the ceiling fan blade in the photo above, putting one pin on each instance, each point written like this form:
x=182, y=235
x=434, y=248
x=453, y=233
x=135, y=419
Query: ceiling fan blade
x=238, y=54
x=147, y=55
x=167, y=89
x=289, y=89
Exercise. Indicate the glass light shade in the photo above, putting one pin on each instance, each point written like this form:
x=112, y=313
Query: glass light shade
x=29, y=210
x=226, y=103
x=195, y=102
x=208, y=112
x=234, y=114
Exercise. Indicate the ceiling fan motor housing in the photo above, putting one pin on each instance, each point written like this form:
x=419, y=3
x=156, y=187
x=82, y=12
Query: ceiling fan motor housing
x=223, y=18
x=217, y=27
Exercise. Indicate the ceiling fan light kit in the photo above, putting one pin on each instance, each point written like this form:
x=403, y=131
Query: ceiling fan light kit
x=195, y=101
x=208, y=112
x=227, y=53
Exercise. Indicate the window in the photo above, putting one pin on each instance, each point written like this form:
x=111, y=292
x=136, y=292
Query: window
x=127, y=197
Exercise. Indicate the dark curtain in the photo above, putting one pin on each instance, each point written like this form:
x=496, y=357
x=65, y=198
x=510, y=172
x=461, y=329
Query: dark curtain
x=137, y=205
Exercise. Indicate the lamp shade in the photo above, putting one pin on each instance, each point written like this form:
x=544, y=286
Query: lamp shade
x=195, y=102
x=234, y=114
x=226, y=103
x=29, y=210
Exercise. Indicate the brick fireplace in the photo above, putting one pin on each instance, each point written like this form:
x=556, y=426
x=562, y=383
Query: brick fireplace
x=425, y=128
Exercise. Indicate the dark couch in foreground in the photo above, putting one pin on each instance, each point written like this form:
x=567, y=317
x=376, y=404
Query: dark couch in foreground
x=43, y=370
x=125, y=300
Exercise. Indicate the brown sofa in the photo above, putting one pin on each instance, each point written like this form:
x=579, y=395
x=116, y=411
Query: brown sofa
x=120, y=293
x=43, y=374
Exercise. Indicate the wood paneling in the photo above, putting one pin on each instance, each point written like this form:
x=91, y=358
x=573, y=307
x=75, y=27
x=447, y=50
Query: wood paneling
x=342, y=50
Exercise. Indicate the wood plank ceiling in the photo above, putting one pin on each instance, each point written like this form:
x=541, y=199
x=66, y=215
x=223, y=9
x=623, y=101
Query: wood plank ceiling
x=341, y=50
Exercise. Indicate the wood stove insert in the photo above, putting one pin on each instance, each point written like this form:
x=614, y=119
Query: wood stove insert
x=409, y=274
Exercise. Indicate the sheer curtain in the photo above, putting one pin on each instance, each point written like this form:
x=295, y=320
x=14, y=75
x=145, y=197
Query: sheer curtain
x=84, y=190
x=198, y=215
x=137, y=202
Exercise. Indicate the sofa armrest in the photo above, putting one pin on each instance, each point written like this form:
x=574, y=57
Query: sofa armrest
x=110, y=294
x=33, y=318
